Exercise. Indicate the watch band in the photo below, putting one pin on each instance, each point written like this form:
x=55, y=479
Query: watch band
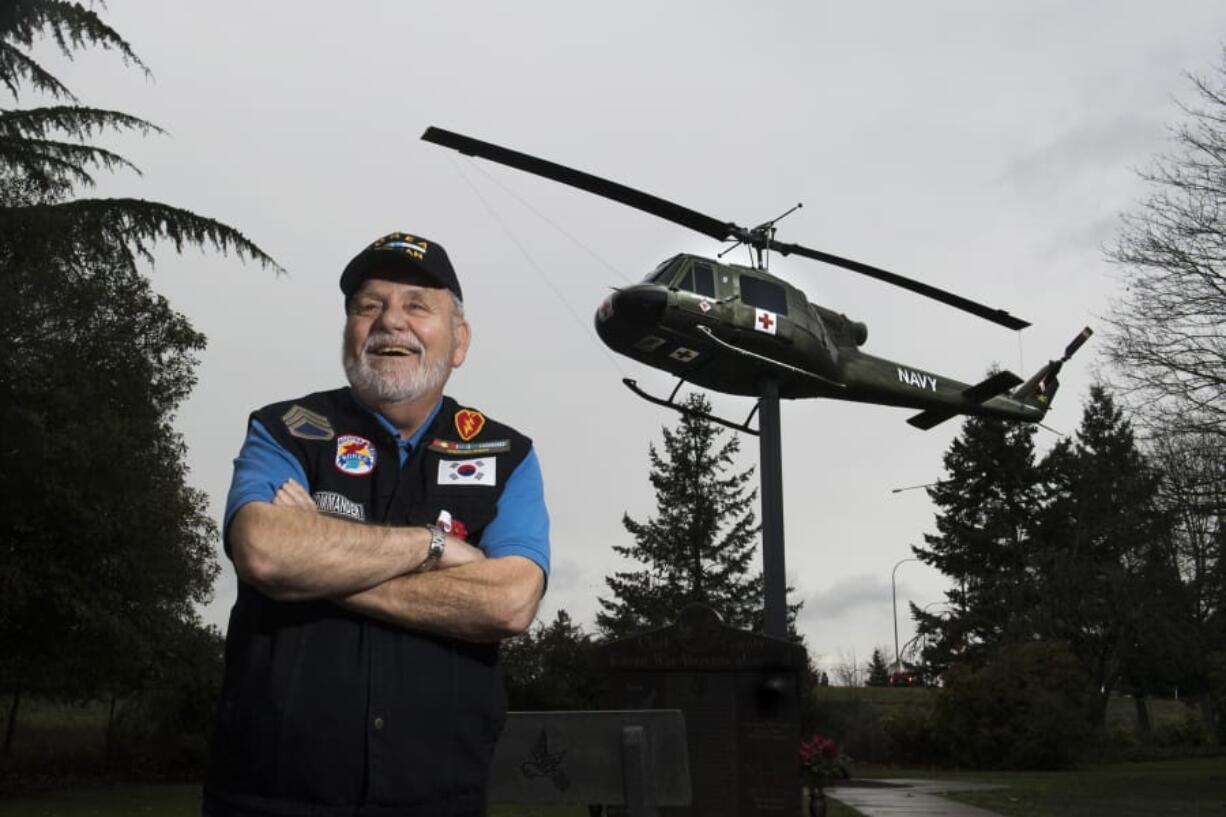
x=438, y=543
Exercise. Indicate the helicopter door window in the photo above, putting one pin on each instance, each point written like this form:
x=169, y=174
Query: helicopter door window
x=764, y=295
x=700, y=279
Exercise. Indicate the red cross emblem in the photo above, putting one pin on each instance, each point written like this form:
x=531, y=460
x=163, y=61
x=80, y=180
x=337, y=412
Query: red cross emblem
x=765, y=320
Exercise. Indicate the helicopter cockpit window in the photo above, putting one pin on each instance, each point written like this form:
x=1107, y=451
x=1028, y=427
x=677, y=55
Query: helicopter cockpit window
x=663, y=274
x=699, y=279
x=764, y=294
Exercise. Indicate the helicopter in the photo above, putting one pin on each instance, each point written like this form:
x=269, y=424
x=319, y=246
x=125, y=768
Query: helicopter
x=733, y=328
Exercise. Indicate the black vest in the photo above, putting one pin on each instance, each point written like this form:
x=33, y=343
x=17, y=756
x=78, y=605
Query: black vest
x=326, y=712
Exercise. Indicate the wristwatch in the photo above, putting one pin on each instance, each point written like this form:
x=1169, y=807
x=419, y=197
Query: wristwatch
x=438, y=542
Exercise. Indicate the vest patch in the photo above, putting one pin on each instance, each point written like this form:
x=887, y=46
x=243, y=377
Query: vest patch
x=355, y=455
x=330, y=502
x=468, y=423
x=306, y=424
x=473, y=449
x=481, y=471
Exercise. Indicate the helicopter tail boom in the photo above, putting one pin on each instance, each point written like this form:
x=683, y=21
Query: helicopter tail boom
x=979, y=393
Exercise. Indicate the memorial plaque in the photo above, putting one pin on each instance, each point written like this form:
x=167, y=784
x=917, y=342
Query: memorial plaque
x=739, y=692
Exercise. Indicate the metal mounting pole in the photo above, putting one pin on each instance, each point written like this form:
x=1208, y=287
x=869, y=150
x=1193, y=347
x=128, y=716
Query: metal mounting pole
x=771, y=461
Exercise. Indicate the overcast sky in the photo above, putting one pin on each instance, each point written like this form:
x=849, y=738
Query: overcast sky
x=986, y=148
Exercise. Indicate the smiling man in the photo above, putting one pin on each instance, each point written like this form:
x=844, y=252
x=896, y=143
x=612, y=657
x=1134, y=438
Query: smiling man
x=385, y=539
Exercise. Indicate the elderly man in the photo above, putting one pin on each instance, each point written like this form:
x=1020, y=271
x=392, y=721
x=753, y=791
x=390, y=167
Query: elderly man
x=385, y=539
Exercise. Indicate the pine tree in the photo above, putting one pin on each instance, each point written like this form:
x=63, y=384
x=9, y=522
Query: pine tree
x=700, y=544
x=45, y=156
x=106, y=549
x=550, y=667
x=878, y=670
x=987, y=503
x=1103, y=564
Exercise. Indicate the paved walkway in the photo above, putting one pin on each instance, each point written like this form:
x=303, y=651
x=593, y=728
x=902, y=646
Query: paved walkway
x=910, y=798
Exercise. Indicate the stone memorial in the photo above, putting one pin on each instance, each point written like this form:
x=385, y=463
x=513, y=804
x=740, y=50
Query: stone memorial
x=739, y=693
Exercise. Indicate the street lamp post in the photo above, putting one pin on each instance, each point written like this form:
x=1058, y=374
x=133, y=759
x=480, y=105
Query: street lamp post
x=894, y=597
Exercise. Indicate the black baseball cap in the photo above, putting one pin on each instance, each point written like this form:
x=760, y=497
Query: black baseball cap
x=399, y=256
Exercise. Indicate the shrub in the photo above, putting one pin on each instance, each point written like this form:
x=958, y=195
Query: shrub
x=912, y=738
x=1191, y=731
x=1028, y=708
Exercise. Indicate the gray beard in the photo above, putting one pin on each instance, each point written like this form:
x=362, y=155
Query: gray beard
x=375, y=386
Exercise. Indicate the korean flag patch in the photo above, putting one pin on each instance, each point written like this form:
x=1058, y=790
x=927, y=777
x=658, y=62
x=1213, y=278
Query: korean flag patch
x=478, y=471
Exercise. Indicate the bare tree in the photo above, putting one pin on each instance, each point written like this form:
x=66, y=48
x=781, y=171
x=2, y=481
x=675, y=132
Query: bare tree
x=1193, y=491
x=1167, y=335
x=847, y=671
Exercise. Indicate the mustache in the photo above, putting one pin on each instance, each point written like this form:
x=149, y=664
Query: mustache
x=406, y=339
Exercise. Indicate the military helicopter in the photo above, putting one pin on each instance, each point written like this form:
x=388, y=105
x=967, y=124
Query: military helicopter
x=741, y=330
x=732, y=328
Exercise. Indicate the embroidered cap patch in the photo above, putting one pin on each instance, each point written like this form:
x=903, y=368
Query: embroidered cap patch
x=355, y=455
x=468, y=423
x=479, y=471
x=307, y=424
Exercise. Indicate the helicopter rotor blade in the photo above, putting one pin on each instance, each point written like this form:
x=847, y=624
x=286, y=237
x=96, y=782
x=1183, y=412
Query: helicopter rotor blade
x=713, y=227
x=1076, y=343
x=998, y=316
x=637, y=199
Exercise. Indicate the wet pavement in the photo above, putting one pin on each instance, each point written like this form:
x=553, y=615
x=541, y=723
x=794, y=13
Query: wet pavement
x=897, y=797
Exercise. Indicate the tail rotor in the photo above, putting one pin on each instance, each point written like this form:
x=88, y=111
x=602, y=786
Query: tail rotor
x=1041, y=389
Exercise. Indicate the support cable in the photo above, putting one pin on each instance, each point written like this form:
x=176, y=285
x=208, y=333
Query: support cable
x=587, y=329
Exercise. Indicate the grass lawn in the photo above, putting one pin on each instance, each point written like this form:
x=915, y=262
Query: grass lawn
x=184, y=801
x=1171, y=788
x=181, y=800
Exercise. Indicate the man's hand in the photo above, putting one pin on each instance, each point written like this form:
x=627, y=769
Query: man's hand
x=293, y=495
x=457, y=552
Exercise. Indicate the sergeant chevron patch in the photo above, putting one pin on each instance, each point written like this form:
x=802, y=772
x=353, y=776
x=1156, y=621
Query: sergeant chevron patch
x=306, y=424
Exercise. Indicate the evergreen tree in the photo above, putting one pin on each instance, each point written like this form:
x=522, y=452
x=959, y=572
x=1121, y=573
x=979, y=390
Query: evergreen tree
x=106, y=549
x=1108, y=582
x=878, y=670
x=988, y=501
x=549, y=667
x=699, y=545
x=44, y=156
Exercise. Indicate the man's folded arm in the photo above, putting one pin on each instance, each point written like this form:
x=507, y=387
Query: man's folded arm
x=292, y=555
x=486, y=600
x=481, y=601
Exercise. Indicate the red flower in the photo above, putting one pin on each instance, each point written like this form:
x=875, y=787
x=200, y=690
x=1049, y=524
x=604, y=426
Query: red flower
x=821, y=759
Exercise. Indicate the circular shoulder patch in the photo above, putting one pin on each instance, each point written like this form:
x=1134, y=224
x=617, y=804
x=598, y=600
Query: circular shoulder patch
x=355, y=455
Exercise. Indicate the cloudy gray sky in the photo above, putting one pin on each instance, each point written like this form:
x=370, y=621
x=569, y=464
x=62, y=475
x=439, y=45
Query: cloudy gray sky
x=985, y=148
